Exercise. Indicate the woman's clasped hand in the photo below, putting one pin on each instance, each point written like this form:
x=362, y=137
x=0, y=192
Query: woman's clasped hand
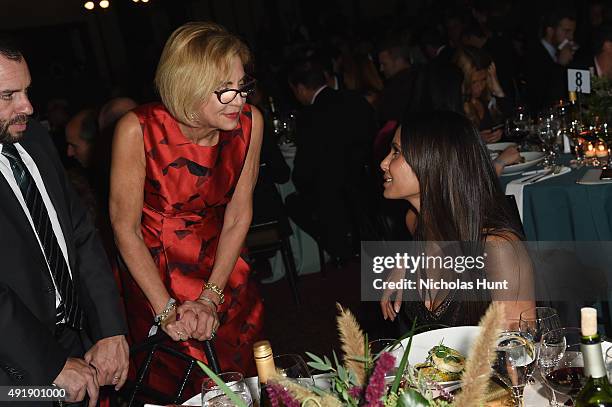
x=192, y=320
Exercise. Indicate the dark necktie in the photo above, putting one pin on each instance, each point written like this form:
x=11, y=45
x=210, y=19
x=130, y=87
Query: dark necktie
x=69, y=307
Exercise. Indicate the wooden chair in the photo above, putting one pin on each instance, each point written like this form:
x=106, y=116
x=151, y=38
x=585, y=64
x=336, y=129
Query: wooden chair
x=136, y=393
x=269, y=237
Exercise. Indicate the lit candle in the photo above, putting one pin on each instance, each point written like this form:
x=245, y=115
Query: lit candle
x=601, y=151
x=589, y=152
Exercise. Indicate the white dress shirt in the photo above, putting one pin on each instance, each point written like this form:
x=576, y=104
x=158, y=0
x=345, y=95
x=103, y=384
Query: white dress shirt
x=7, y=172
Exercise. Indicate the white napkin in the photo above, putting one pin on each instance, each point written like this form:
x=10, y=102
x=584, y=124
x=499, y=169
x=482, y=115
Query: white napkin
x=515, y=187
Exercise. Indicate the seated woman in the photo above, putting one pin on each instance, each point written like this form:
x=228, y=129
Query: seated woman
x=434, y=163
x=485, y=102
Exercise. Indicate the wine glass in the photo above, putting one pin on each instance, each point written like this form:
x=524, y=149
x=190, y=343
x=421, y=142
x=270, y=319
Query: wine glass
x=515, y=361
x=561, y=362
x=392, y=346
x=214, y=396
x=539, y=320
x=609, y=363
x=293, y=367
x=548, y=132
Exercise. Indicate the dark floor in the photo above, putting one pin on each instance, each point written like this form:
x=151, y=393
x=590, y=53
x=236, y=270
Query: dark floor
x=312, y=327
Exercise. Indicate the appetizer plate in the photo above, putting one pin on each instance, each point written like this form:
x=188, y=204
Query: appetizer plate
x=532, y=158
x=459, y=338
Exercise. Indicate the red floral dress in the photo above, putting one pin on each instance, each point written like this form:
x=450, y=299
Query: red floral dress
x=187, y=188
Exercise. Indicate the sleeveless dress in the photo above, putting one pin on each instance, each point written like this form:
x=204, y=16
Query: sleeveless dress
x=187, y=188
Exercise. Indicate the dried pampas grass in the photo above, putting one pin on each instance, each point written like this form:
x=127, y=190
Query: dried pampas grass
x=353, y=343
x=478, y=365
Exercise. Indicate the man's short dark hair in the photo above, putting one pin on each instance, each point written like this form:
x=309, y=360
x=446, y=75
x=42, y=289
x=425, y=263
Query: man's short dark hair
x=602, y=35
x=89, y=126
x=307, y=72
x=553, y=18
x=397, y=48
x=9, y=49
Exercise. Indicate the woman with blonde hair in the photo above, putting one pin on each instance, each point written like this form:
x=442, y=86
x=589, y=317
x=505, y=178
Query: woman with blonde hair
x=485, y=102
x=182, y=178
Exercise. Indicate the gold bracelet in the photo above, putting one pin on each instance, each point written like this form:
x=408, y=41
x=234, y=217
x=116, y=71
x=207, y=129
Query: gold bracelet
x=215, y=289
x=208, y=300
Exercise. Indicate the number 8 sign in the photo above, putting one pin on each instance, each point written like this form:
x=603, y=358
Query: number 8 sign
x=578, y=80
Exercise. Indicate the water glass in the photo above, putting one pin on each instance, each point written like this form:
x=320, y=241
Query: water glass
x=515, y=361
x=293, y=367
x=214, y=396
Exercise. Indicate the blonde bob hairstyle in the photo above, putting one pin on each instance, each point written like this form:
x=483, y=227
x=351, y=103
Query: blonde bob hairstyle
x=194, y=63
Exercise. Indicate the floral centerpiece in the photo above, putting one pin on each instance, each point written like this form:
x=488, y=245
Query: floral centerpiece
x=359, y=380
x=599, y=101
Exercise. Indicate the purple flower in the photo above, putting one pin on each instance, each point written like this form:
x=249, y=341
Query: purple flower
x=278, y=394
x=356, y=392
x=376, y=386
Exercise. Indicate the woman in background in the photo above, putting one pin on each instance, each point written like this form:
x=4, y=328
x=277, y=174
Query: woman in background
x=484, y=99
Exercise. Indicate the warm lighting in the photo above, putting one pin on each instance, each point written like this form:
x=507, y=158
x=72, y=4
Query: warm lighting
x=590, y=151
x=104, y=3
x=89, y=5
x=135, y=1
x=145, y=1
x=602, y=150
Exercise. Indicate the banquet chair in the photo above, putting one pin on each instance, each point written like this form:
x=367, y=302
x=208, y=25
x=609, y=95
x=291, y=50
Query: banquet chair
x=136, y=393
x=269, y=237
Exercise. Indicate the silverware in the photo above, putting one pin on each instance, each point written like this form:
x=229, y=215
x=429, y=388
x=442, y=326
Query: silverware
x=556, y=169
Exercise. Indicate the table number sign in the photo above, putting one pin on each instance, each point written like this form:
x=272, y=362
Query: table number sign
x=579, y=80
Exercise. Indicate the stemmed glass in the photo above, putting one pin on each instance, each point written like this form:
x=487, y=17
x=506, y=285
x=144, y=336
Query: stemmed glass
x=609, y=363
x=515, y=361
x=561, y=362
x=214, y=396
x=293, y=367
x=391, y=346
x=548, y=132
x=539, y=320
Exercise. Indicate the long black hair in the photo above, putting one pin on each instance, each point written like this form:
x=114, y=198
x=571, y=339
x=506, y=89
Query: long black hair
x=460, y=196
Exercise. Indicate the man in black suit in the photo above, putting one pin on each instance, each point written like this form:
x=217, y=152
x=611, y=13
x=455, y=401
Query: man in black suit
x=334, y=133
x=546, y=61
x=57, y=293
x=394, y=59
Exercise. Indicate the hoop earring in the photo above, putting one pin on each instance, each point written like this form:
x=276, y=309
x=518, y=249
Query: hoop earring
x=193, y=117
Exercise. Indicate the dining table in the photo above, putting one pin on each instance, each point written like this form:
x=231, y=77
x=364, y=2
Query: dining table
x=561, y=209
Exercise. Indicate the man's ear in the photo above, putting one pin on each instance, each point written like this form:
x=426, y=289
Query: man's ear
x=607, y=46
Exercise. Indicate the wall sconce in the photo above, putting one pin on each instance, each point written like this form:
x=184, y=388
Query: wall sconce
x=89, y=5
x=104, y=3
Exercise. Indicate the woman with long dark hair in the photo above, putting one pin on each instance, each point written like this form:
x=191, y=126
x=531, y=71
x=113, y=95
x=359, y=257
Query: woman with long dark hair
x=439, y=164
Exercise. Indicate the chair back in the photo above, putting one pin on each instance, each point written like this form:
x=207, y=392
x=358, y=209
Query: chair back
x=156, y=344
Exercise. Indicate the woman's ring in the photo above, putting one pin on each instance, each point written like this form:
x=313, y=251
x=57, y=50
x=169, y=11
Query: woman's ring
x=180, y=335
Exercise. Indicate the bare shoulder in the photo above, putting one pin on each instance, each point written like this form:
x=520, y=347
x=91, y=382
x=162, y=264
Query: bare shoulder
x=128, y=126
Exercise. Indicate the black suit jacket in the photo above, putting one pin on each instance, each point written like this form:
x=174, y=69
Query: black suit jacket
x=29, y=352
x=334, y=137
x=546, y=79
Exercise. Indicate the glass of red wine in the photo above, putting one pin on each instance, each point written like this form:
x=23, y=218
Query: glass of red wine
x=561, y=362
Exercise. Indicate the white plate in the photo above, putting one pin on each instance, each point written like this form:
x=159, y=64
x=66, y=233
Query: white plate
x=459, y=338
x=531, y=158
x=499, y=147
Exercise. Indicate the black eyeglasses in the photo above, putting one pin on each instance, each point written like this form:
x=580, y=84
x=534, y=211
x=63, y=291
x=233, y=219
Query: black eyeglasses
x=226, y=96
